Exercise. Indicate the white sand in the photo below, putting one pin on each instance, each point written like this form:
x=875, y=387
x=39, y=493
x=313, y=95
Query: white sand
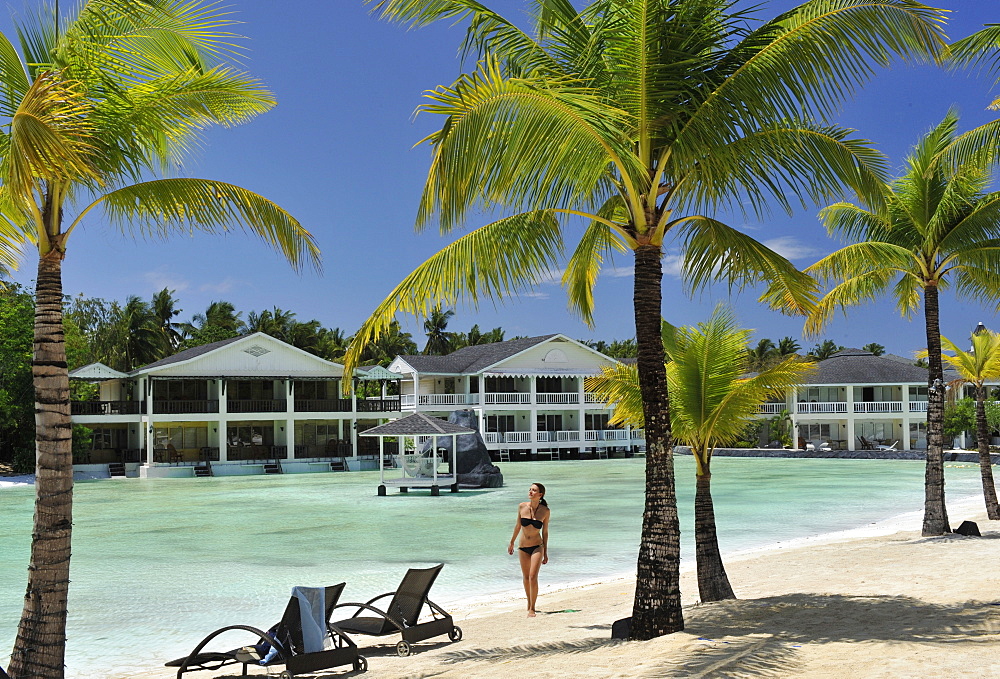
x=877, y=602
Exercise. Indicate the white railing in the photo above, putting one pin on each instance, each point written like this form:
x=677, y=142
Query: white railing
x=771, y=408
x=517, y=437
x=493, y=437
x=918, y=406
x=819, y=408
x=573, y=397
x=563, y=436
x=449, y=399
x=639, y=435
x=879, y=407
x=406, y=400
x=606, y=435
x=591, y=397
x=508, y=398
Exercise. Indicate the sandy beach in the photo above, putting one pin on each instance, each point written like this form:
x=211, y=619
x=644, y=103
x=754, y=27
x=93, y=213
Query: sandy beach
x=889, y=604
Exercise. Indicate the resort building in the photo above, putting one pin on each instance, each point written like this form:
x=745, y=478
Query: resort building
x=245, y=405
x=528, y=395
x=855, y=399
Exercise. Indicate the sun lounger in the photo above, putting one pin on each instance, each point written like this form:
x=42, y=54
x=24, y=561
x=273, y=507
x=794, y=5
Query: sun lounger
x=403, y=612
x=887, y=448
x=303, y=641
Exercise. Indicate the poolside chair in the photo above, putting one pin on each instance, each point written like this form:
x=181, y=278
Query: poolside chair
x=866, y=444
x=402, y=614
x=303, y=641
x=822, y=446
x=887, y=448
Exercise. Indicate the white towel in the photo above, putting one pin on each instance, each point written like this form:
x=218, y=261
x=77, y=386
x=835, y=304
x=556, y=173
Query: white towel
x=312, y=611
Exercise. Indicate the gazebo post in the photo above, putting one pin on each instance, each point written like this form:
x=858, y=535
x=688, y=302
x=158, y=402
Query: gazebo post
x=381, y=466
x=435, y=489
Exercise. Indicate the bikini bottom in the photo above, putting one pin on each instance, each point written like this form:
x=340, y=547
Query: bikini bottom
x=530, y=550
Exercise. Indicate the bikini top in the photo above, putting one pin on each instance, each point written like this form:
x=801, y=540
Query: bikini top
x=536, y=523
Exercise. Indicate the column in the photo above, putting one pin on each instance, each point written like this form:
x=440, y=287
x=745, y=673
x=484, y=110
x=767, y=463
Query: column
x=852, y=438
x=148, y=385
x=582, y=409
x=904, y=437
x=223, y=421
x=290, y=418
x=533, y=414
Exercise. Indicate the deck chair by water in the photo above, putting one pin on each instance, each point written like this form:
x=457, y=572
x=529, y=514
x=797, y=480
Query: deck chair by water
x=822, y=446
x=303, y=641
x=402, y=614
x=886, y=448
x=866, y=444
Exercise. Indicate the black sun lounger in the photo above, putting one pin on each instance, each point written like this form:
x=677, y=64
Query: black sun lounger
x=288, y=642
x=402, y=613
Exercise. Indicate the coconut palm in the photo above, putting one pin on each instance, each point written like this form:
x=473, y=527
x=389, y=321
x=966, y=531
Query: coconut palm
x=788, y=346
x=712, y=399
x=621, y=127
x=824, y=350
x=439, y=340
x=975, y=367
x=875, y=348
x=135, y=336
x=103, y=100
x=934, y=226
x=165, y=308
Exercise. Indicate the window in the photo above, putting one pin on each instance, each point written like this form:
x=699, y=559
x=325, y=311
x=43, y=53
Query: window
x=180, y=437
x=317, y=433
x=596, y=421
x=550, y=423
x=548, y=385
x=250, y=390
x=501, y=385
x=180, y=390
x=812, y=432
x=500, y=423
x=250, y=434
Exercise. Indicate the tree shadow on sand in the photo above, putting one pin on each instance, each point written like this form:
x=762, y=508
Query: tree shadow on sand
x=760, y=637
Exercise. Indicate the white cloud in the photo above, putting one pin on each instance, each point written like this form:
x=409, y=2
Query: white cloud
x=163, y=278
x=791, y=248
x=535, y=295
x=221, y=287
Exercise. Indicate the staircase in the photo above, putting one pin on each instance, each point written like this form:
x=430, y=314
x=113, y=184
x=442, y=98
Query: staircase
x=116, y=469
x=338, y=465
x=203, y=470
x=272, y=467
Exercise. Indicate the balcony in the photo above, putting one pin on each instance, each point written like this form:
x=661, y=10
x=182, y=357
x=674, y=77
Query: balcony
x=378, y=405
x=771, y=408
x=606, y=435
x=257, y=405
x=557, y=398
x=830, y=408
x=407, y=400
x=878, y=407
x=557, y=436
x=918, y=406
x=323, y=405
x=185, y=407
x=107, y=407
x=507, y=398
x=591, y=397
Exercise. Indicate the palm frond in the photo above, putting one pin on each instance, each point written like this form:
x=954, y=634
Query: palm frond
x=855, y=289
x=714, y=251
x=809, y=59
x=496, y=261
x=537, y=144
x=159, y=208
x=13, y=78
x=618, y=386
x=49, y=137
x=585, y=264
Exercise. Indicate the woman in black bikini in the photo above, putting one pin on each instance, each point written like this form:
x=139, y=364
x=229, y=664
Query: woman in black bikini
x=533, y=520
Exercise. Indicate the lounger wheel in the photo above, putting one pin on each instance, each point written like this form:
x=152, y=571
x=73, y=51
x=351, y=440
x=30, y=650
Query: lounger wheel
x=455, y=634
x=361, y=664
x=403, y=648
x=286, y=675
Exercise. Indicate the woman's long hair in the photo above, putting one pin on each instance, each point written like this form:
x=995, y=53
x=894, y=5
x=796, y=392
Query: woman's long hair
x=541, y=489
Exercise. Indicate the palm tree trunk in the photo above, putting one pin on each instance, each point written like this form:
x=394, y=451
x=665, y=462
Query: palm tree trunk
x=657, y=607
x=713, y=583
x=985, y=463
x=39, y=650
x=935, y=511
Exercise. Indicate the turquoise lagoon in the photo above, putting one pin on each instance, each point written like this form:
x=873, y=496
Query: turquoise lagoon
x=158, y=564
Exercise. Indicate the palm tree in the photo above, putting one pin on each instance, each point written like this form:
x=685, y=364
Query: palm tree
x=787, y=346
x=633, y=121
x=135, y=336
x=438, y=337
x=761, y=354
x=932, y=227
x=100, y=103
x=824, y=350
x=875, y=348
x=165, y=308
x=711, y=400
x=975, y=367
x=390, y=344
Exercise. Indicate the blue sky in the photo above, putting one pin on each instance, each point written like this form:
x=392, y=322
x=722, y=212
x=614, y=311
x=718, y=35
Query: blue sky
x=337, y=152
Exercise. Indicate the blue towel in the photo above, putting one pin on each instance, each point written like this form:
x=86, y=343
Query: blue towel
x=312, y=609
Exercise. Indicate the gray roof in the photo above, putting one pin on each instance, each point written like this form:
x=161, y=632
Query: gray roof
x=475, y=358
x=187, y=354
x=417, y=424
x=854, y=366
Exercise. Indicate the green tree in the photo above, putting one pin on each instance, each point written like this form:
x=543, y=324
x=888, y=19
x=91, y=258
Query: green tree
x=390, y=344
x=439, y=340
x=17, y=408
x=934, y=226
x=712, y=402
x=875, y=348
x=165, y=308
x=137, y=336
x=105, y=97
x=638, y=119
x=975, y=367
x=762, y=354
x=824, y=350
x=220, y=321
x=787, y=346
